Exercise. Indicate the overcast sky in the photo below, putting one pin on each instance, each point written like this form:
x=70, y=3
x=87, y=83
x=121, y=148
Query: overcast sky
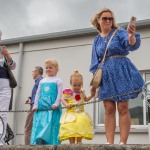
x=19, y=18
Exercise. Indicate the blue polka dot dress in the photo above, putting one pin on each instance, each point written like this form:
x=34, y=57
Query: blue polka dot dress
x=120, y=78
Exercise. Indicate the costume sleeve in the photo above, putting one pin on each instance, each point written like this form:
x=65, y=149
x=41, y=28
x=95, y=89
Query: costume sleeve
x=60, y=89
x=95, y=58
x=12, y=64
x=37, y=96
x=123, y=37
x=65, y=96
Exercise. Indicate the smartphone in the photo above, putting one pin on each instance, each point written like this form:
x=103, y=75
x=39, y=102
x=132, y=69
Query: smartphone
x=132, y=22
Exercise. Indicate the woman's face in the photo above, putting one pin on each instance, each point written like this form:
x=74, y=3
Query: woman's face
x=105, y=21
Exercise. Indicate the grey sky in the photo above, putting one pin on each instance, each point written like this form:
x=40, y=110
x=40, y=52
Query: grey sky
x=20, y=18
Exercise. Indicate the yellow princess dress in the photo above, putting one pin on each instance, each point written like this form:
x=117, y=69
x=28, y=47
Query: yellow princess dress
x=75, y=122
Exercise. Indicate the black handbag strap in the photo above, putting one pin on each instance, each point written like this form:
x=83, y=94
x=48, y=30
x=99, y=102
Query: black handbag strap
x=108, y=45
x=6, y=65
x=6, y=62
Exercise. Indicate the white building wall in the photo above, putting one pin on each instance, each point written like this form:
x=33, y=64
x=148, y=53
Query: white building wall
x=72, y=54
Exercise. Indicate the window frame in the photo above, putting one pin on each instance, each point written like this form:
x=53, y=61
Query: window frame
x=100, y=128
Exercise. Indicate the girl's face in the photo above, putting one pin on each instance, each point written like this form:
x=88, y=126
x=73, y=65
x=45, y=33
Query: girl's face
x=76, y=85
x=51, y=70
x=105, y=21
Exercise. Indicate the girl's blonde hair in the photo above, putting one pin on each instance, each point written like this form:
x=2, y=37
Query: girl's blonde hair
x=94, y=20
x=52, y=62
x=76, y=76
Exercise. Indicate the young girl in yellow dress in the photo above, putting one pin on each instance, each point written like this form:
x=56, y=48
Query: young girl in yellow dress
x=75, y=123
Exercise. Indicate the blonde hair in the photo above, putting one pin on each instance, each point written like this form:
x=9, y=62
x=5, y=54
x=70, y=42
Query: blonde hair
x=52, y=62
x=94, y=20
x=76, y=76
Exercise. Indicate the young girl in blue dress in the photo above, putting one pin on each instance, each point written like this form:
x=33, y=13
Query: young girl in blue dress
x=46, y=123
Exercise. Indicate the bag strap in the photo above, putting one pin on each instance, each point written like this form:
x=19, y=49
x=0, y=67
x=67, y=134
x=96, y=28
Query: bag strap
x=6, y=66
x=6, y=62
x=108, y=45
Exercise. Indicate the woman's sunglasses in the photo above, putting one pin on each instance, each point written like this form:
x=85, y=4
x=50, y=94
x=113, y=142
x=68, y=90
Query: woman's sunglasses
x=107, y=18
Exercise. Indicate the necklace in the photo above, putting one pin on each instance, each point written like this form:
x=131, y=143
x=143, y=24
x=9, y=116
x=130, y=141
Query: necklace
x=104, y=39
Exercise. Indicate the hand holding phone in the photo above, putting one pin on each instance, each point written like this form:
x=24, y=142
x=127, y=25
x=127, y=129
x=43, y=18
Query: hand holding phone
x=132, y=21
x=131, y=25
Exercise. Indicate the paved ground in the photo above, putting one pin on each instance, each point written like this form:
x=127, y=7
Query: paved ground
x=76, y=147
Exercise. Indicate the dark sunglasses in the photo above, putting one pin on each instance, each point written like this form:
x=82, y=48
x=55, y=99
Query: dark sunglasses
x=107, y=18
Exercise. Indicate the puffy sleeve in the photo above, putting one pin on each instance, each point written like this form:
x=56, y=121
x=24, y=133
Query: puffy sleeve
x=94, y=58
x=66, y=97
x=67, y=93
x=123, y=38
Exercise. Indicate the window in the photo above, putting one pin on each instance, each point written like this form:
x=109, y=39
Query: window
x=137, y=107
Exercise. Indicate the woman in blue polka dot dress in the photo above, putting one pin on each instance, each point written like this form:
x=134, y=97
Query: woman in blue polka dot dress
x=121, y=80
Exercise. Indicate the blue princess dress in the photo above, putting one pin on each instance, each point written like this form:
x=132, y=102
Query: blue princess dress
x=120, y=78
x=46, y=123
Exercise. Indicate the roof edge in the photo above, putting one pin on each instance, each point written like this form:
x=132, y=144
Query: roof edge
x=67, y=34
